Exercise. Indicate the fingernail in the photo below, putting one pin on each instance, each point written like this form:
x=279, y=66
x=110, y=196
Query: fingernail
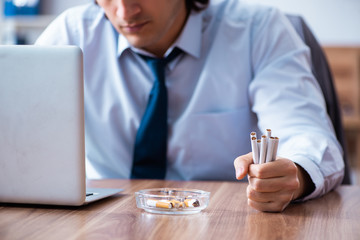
x=239, y=171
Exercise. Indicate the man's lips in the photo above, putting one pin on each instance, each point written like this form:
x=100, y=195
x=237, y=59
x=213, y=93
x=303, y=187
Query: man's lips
x=132, y=28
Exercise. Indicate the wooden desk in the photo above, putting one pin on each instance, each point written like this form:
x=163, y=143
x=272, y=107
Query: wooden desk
x=334, y=216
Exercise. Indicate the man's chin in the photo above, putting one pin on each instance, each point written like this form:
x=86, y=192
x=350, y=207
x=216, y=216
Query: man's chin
x=136, y=42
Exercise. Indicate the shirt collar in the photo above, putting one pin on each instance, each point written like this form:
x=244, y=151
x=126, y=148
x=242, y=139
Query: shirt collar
x=123, y=44
x=191, y=37
x=189, y=40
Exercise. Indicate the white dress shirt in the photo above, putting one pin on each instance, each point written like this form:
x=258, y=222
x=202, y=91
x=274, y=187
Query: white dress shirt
x=244, y=69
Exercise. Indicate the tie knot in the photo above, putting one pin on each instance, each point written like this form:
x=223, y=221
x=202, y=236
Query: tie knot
x=157, y=65
x=163, y=61
x=174, y=53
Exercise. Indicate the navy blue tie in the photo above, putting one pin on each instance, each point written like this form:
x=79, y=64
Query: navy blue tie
x=151, y=139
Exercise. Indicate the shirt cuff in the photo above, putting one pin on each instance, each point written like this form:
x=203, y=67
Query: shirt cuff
x=315, y=174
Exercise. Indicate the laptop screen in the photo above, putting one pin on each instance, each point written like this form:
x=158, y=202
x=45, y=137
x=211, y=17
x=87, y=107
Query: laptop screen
x=42, y=149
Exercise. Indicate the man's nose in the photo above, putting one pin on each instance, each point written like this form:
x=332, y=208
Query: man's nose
x=126, y=9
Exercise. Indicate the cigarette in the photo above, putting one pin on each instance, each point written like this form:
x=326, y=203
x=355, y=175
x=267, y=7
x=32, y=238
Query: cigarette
x=177, y=204
x=255, y=150
x=259, y=147
x=252, y=134
x=159, y=203
x=268, y=133
x=192, y=202
x=276, y=144
x=270, y=149
x=263, y=149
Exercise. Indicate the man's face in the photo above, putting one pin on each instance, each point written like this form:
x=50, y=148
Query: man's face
x=152, y=25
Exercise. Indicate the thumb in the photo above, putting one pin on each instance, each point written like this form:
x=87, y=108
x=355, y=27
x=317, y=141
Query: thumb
x=242, y=164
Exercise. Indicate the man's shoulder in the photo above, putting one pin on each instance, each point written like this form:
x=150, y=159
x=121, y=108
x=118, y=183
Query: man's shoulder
x=239, y=10
x=72, y=25
x=89, y=11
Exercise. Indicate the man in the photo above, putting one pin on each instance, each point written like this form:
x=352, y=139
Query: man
x=242, y=68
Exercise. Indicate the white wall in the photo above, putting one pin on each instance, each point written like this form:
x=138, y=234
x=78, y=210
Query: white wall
x=334, y=22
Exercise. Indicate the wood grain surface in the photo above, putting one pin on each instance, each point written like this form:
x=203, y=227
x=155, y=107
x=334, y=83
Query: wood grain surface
x=334, y=216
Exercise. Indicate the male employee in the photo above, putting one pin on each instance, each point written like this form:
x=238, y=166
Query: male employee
x=234, y=68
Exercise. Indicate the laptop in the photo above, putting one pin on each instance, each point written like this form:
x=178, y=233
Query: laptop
x=42, y=142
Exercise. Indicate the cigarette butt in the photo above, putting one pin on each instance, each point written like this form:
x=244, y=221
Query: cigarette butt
x=192, y=203
x=270, y=150
x=159, y=203
x=255, y=150
x=177, y=204
x=263, y=149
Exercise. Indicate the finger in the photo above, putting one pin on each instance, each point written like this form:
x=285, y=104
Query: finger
x=261, y=197
x=285, y=183
x=268, y=207
x=265, y=185
x=278, y=168
x=241, y=165
x=254, y=196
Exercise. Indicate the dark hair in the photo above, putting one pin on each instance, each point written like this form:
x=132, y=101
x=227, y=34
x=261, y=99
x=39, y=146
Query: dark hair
x=196, y=5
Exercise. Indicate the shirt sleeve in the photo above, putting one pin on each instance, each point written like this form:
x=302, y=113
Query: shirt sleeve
x=287, y=98
x=55, y=33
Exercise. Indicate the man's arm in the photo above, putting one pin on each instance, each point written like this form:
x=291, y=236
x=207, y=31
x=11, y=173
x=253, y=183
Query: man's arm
x=286, y=97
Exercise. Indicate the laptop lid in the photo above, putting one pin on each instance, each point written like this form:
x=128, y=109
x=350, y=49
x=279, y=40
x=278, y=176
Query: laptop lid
x=42, y=145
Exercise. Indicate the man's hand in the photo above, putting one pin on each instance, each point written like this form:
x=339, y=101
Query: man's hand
x=272, y=186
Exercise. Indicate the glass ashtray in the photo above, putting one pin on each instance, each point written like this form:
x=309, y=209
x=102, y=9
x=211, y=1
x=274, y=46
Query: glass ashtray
x=172, y=200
